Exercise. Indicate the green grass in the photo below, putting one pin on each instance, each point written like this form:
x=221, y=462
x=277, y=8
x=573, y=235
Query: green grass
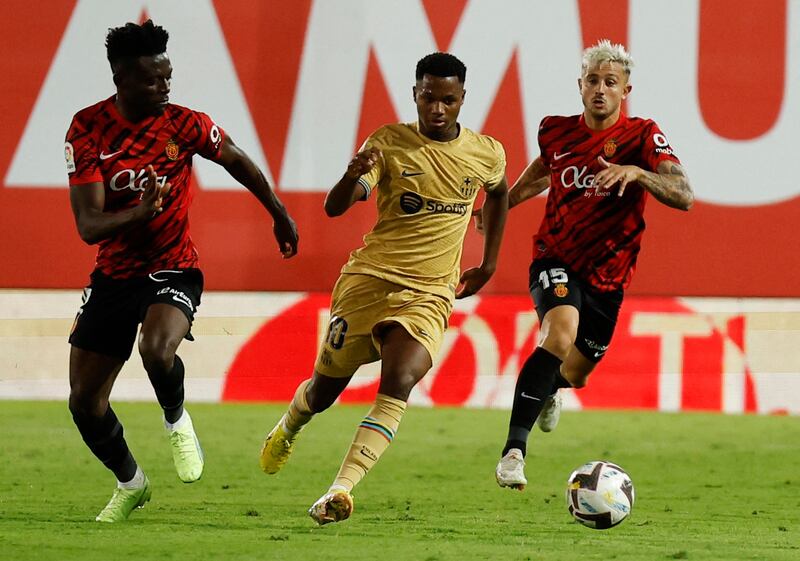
x=708, y=487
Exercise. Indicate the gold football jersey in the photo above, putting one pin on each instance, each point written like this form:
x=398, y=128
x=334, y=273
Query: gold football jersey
x=425, y=191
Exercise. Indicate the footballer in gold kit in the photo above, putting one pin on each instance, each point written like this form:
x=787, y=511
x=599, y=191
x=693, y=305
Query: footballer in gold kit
x=395, y=294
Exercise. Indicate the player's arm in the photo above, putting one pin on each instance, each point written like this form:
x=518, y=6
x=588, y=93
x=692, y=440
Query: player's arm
x=246, y=172
x=668, y=184
x=495, y=210
x=94, y=225
x=534, y=180
x=349, y=190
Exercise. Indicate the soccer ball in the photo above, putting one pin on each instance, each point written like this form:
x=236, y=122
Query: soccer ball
x=599, y=495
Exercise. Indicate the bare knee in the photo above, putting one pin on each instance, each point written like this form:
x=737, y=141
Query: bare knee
x=558, y=343
x=158, y=353
x=398, y=382
x=86, y=404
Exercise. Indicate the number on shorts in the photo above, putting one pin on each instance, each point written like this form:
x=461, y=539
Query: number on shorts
x=336, y=330
x=556, y=275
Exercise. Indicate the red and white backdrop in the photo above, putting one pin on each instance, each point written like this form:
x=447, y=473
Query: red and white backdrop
x=300, y=84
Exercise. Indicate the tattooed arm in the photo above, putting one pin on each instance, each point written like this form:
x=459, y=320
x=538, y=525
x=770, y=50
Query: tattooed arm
x=669, y=184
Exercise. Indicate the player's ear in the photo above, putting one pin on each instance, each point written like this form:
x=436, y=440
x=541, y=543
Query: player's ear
x=627, y=90
x=580, y=84
x=414, y=93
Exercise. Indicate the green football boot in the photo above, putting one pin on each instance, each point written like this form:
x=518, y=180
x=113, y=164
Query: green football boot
x=123, y=501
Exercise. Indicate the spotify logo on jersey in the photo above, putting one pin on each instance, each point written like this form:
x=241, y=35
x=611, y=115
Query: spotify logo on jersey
x=411, y=203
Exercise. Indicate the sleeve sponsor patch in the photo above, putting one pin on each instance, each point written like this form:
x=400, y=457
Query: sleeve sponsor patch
x=69, y=156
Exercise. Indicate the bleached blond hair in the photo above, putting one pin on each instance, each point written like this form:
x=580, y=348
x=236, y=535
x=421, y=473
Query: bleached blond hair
x=605, y=51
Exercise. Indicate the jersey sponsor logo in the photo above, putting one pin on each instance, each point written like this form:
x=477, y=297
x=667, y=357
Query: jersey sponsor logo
x=610, y=147
x=662, y=144
x=104, y=156
x=411, y=203
x=130, y=179
x=571, y=176
x=69, y=156
x=172, y=150
x=406, y=173
x=437, y=207
x=557, y=156
x=660, y=140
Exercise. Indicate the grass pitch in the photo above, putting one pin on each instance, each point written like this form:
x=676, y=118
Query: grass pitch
x=708, y=487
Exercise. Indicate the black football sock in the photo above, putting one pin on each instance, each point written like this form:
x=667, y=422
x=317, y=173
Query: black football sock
x=533, y=388
x=104, y=437
x=169, y=390
x=559, y=382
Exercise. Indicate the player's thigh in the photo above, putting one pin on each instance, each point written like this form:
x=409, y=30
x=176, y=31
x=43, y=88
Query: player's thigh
x=557, y=295
x=107, y=319
x=168, y=304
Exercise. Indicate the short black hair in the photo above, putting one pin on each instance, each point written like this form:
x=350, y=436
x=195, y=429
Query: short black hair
x=132, y=41
x=442, y=65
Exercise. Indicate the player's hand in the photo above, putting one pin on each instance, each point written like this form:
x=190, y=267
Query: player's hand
x=362, y=162
x=613, y=174
x=152, y=197
x=477, y=215
x=285, y=231
x=472, y=280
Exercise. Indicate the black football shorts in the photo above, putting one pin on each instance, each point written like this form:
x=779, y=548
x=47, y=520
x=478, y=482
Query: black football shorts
x=551, y=283
x=112, y=309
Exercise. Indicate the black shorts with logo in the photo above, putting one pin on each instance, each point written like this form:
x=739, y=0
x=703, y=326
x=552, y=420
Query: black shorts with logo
x=112, y=309
x=551, y=284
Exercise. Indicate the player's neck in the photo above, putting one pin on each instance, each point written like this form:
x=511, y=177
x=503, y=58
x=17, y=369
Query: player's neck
x=440, y=136
x=128, y=112
x=596, y=124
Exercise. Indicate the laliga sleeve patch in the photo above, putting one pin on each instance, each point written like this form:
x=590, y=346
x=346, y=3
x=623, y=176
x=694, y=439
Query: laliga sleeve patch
x=69, y=156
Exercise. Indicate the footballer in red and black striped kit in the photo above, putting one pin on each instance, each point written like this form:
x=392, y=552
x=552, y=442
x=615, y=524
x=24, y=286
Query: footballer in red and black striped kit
x=111, y=150
x=601, y=167
x=129, y=160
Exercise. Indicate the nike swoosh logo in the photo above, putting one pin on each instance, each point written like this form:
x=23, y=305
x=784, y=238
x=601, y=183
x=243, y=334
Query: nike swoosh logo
x=411, y=173
x=104, y=156
x=153, y=275
x=526, y=396
x=557, y=156
x=596, y=355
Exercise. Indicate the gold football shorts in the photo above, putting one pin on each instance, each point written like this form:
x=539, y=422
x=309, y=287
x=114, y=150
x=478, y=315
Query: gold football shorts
x=361, y=305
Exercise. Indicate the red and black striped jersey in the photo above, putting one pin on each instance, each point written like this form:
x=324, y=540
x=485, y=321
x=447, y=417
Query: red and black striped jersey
x=593, y=231
x=102, y=146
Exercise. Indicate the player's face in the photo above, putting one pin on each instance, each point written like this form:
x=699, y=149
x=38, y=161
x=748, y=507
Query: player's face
x=439, y=101
x=603, y=87
x=143, y=84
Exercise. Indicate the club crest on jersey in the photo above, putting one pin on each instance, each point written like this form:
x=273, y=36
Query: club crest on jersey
x=561, y=290
x=469, y=186
x=172, y=150
x=610, y=147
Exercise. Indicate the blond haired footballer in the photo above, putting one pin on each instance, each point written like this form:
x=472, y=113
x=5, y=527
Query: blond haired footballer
x=393, y=299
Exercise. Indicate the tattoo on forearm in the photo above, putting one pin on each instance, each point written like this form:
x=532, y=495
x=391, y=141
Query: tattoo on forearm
x=671, y=189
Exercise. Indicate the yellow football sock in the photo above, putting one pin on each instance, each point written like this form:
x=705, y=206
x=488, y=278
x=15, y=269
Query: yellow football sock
x=299, y=412
x=373, y=436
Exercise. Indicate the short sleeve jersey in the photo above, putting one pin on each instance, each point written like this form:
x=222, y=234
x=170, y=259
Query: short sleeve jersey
x=425, y=193
x=103, y=147
x=594, y=231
